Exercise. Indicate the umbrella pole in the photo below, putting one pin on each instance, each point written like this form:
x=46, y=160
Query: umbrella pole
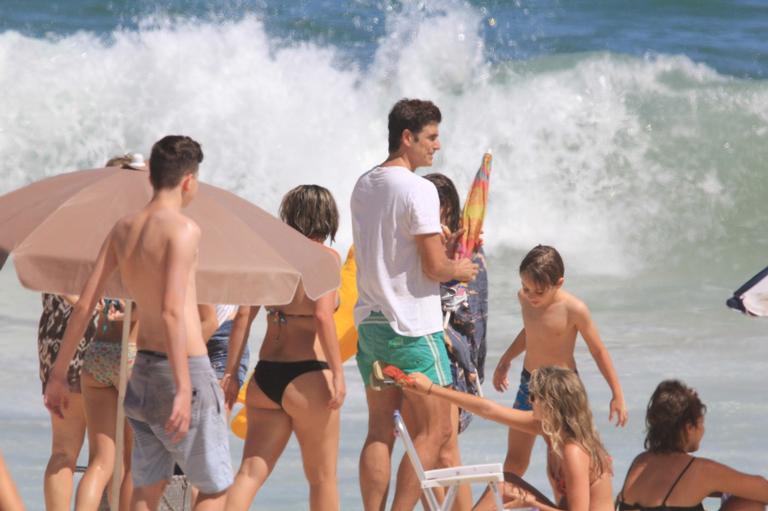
x=117, y=474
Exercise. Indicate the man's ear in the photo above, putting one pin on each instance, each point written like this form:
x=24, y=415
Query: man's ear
x=186, y=182
x=560, y=282
x=407, y=139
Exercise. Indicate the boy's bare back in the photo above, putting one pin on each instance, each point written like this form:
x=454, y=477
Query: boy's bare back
x=156, y=252
x=551, y=331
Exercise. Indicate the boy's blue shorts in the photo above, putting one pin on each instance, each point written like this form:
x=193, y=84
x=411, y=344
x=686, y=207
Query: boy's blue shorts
x=522, y=401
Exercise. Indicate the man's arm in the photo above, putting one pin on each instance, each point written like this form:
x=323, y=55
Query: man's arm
x=56, y=389
x=588, y=331
x=436, y=264
x=180, y=259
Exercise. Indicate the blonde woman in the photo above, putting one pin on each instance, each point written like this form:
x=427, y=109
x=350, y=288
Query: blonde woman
x=578, y=466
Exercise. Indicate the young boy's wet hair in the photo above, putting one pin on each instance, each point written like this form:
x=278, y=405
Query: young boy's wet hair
x=543, y=265
x=172, y=158
x=411, y=115
x=311, y=210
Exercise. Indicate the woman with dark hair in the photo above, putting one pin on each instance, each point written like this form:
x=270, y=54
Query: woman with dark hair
x=298, y=384
x=667, y=477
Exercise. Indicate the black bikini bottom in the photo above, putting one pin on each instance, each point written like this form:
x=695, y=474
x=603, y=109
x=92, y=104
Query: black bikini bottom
x=273, y=377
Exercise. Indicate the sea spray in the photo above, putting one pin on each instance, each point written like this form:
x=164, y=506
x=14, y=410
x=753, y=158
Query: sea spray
x=624, y=163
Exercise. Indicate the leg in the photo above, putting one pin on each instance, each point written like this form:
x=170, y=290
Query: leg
x=430, y=431
x=376, y=455
x=146, y=498
x=100, y=412
x=10, y=500
x=317, y=430
x=68, y=434
x=126, y=489
x=269, y=429
x=519, y=447
x=450, y=456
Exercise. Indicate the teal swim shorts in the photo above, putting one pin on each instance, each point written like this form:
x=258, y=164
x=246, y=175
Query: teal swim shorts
x=426, y=354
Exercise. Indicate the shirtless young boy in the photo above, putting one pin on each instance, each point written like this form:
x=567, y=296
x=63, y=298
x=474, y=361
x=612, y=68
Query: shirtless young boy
x=552, y=318
x=173, y=399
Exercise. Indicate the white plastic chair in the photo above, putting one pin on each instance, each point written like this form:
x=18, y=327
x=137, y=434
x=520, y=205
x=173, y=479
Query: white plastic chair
x=450, y=478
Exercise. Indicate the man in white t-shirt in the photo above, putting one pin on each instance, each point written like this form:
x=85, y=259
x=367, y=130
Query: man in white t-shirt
x=401, y=261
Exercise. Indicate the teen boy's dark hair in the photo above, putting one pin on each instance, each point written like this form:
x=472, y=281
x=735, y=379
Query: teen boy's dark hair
x=172, y=158
x=311, y=210
x=673, y=405
x=543, y=265
x=411, y=115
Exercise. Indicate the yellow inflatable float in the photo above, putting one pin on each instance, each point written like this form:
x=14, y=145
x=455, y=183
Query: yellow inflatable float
x=345, y=330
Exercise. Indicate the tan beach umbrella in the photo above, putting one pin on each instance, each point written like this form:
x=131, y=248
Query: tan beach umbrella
x=54, y=228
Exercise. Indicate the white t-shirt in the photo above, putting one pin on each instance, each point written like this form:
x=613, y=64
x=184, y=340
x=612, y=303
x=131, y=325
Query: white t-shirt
x=391, y=205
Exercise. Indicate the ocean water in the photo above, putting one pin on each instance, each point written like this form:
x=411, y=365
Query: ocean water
x=633, y=136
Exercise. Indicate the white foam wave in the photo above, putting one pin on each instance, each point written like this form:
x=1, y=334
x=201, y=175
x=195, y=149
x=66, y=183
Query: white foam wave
x=612, y=159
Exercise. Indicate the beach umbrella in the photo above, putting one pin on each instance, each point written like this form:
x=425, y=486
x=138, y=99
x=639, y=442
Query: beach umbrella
x=473, y=214
x=752, y=297
x=54, y=228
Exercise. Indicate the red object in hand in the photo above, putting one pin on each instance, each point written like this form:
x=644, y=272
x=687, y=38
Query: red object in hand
x=397, y=374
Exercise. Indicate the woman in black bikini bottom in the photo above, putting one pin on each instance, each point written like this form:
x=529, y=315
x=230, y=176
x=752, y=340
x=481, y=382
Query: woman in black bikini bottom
x=298, y=385
x=666, y=477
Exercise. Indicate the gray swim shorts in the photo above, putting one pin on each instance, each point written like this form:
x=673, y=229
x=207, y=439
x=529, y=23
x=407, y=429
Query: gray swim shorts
x=203, y=454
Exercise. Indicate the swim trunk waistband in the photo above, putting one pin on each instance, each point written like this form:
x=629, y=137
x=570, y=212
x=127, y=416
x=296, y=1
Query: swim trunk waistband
x=148, y=360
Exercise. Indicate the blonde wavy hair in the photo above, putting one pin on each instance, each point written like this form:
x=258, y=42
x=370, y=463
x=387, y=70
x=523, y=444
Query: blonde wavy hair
x=566, y=416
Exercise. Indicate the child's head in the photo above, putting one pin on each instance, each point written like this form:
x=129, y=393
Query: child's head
x=311, y=210
x=560, y=403
x=174, y=162
x=674, y=419
x=450, y=207
x=542, y=272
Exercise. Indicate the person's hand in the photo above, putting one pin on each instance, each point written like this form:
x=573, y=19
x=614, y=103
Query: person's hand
x=231, y=389
x=618, y=408
x=56, y=397
x=338, y=391
x=500, y=379
x=451, y=241
x=514, y=496
x=178, y=423
x=466, y=270
x=417, y=382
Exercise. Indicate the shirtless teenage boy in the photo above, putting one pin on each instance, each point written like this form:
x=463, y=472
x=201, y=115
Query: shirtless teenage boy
x=552, y=318
x=173, y=399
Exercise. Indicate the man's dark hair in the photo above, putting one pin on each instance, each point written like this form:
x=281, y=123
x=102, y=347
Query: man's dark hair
x=673, y=405
x=543, y=265
x=450, y=207
x=411, y=115
x=172, y=158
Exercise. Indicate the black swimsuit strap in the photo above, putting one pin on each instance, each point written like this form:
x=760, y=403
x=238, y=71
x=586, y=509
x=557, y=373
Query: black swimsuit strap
x=620, y=496
x=664, y=502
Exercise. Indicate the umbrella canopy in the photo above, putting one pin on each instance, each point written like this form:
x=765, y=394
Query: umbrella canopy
x=473, y=214
x=752, y=297
x=55, y=227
